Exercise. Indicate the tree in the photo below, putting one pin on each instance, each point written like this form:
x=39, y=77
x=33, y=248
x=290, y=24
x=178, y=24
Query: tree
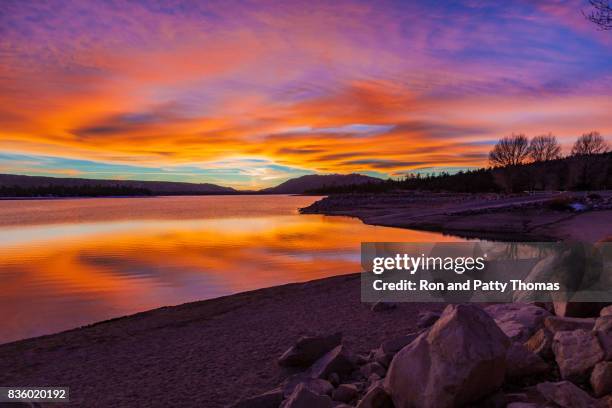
x=544, y=148
x=510, y=151
x=601, y=14
x=589, y=143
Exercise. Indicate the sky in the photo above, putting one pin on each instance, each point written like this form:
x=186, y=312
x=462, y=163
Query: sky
x=251, y=93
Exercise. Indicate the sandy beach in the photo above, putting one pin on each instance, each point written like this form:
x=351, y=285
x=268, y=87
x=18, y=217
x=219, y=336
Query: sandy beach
x=210, y=353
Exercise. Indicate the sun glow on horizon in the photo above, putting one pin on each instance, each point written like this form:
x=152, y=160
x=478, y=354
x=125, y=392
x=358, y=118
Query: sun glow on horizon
x=249, y=96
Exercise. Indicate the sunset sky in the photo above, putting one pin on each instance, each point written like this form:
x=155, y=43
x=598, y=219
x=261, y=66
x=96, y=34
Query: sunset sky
x=250, y=93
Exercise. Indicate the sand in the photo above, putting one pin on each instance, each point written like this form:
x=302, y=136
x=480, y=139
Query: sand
x=208, y=353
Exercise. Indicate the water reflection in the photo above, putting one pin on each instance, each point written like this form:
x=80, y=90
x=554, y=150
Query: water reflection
x=68, y=263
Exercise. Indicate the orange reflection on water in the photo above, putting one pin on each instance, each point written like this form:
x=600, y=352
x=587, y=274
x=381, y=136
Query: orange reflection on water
x=61, y=274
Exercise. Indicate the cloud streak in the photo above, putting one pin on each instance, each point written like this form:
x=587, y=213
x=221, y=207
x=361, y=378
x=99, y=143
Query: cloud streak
x=306, y=86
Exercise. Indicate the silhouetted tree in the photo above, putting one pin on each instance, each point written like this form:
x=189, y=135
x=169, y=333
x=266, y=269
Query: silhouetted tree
x=601, y=14
x=544, y=148
x=589, y=143
x=510, y=151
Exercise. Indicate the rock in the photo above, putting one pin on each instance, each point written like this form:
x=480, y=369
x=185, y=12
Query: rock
x=520, y=362
x=518, y=320
x=302, y=397
x=382, y=358
x=603, y=323
x=270, y=399
x=316, y=385
x=308, y=349
x=373, y=368
x=427, y=319
x=541, y=344
x=376, y=397
x=460, y=360
x=556, y=323
x=601, y=379
x=373, y=379
x=603, y=329
x=382, y=306
x=337, y=361
x=334, y=378
x=606, y=311
x=576, y=352
x=566, y=395
x=345, y=393
x=521, y=405
x=396, y=344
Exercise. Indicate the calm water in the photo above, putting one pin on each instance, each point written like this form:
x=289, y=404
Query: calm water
x=67, y=263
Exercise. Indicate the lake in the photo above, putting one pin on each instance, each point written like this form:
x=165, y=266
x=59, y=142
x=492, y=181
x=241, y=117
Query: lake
x=68, y=263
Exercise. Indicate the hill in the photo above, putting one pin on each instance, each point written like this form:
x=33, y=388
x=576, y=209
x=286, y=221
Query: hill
x=310, y=182
x=34, y=186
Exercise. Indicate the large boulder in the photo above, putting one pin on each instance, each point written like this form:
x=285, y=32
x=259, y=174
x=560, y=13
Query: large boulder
x=460, y=360
x=576, y=353
x=338, y=361
x=601, y=379
x=566, y=395
x=308, y=349
x=302, y=397
x=520, y=362
x=517, y=320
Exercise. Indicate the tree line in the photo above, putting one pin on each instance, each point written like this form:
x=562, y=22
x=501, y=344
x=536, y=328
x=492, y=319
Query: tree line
x=517, y=164
x=72, y=191
x=518, y=149
x=522, y=164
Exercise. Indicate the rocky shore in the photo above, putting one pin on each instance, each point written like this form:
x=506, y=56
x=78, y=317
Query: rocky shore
x=505, y=355
x=543, y=216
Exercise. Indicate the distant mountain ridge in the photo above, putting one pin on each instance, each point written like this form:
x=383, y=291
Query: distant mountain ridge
x=39, y=185
x=303, y=184
x=12, y=185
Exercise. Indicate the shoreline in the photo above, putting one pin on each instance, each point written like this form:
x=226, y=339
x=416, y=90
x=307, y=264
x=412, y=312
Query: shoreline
x=215, y=351
x=484, y=216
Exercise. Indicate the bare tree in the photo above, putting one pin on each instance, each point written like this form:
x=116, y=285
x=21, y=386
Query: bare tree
x=510, y=150
x=601, y=14
x=544, y=148
x=589, y=143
